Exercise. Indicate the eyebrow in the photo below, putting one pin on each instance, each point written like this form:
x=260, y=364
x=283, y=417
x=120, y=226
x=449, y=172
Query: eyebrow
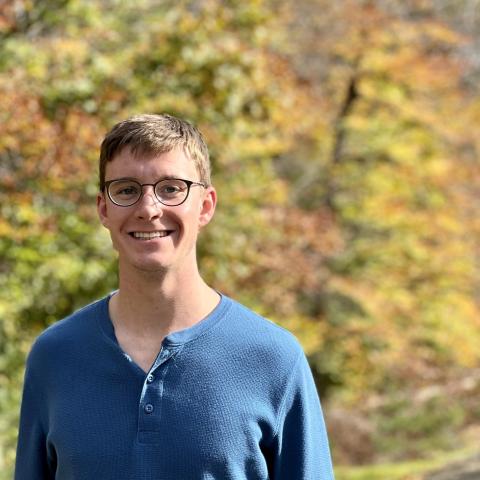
x=165, y=177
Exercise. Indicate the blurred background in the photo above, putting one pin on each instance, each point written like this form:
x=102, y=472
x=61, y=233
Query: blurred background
x=344, y=138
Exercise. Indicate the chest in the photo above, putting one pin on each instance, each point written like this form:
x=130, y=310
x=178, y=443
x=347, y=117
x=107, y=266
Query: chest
x=182, y=410
x=173, y=391
x=180, y=421
x=142, y=350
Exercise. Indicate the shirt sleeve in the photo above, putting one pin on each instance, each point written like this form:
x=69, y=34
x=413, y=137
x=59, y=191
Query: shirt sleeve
x=301, y=443
x=32, y=460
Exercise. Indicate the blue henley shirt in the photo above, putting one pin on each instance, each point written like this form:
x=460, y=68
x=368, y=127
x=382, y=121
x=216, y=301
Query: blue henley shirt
x=231, y=397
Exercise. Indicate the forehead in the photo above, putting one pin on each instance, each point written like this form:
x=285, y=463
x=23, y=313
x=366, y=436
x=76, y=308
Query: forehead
x=151, y=166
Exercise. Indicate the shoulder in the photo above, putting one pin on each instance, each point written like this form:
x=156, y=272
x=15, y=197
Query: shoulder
x=261, y=336
x=64, y=335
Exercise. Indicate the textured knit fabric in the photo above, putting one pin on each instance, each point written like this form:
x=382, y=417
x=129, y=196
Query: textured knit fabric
x=230, y=398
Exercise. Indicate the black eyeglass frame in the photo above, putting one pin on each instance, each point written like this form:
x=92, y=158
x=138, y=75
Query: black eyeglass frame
x=189, y=184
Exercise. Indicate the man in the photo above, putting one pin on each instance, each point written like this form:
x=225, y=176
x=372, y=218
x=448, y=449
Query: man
x=166, y=378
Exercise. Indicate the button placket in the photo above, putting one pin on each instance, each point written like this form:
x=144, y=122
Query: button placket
x=152, y=395
x=162, y=357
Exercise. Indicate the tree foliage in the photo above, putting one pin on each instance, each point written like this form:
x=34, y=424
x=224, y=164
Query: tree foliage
x=344, y=139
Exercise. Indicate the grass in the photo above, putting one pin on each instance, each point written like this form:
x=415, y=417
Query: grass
x=412, y=470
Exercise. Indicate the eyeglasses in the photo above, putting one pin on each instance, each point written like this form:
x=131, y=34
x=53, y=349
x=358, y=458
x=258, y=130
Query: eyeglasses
x=172, y=192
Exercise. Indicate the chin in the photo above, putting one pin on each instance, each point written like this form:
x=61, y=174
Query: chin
x=144, y=265
x=157, y=263
x=152, y=267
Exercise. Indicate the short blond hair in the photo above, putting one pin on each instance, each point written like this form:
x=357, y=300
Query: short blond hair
x=153, y=135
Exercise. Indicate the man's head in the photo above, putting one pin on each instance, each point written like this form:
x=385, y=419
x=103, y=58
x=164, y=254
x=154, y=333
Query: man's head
x=149, y=163
x=150, y=135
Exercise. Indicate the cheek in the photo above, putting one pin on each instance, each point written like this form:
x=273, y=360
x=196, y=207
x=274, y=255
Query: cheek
x=114, y=221
x=187, y=216
x=114, y=242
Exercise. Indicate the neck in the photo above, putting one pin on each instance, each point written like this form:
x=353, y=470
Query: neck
x=155, y=304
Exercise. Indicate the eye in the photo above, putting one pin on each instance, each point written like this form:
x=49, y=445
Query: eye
x=124, y=189
x=130, y=190
x=171, y=188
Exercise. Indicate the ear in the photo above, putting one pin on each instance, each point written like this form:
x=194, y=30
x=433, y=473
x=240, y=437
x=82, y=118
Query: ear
x=208, y=205
x=102, y=209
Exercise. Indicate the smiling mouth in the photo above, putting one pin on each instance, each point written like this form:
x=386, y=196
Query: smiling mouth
x=150, y=235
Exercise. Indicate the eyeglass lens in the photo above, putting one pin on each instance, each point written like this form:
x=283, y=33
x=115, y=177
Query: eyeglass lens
x=127, y=192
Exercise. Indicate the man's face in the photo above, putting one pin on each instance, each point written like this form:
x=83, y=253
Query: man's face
x=178, y=226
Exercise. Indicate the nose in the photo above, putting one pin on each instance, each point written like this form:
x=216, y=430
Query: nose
x=148, y=206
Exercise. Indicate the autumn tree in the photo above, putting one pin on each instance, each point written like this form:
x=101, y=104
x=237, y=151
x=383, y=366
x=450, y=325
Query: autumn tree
x=344, y=142
x=67, y=73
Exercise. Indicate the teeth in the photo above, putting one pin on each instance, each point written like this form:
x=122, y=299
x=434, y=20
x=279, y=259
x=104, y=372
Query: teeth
x=149, y=235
